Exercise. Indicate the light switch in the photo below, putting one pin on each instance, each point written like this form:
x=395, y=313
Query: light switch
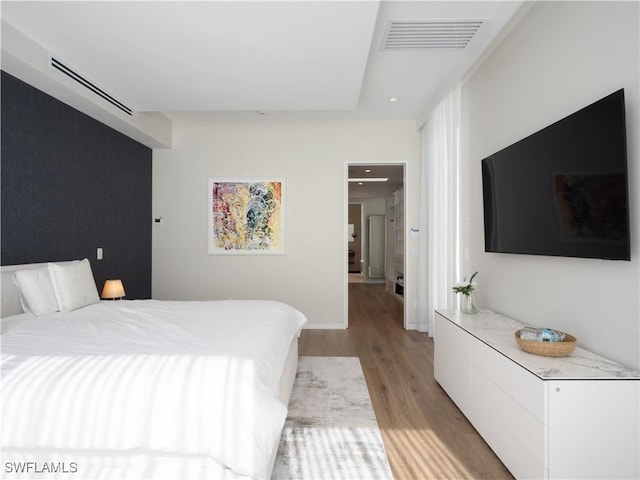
x=99, y=253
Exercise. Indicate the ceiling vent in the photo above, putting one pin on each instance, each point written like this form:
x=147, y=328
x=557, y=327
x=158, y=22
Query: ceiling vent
x=454, y=34
x=61, y=67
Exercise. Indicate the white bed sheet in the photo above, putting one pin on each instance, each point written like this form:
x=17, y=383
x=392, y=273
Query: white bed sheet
x=133, y=380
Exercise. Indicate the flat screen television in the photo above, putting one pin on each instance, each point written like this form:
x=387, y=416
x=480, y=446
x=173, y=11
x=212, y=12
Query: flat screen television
x=562, y=191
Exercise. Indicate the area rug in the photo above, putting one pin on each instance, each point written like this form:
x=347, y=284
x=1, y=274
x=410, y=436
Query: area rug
x=331, y=431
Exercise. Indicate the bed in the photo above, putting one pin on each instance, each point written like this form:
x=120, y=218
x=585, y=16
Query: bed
x=140, y=388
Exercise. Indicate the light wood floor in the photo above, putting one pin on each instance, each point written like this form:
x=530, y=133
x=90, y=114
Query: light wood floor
x=424, y=433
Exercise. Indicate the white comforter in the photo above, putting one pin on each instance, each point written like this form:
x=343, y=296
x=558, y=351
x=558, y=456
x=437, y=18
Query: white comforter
x=191, y=379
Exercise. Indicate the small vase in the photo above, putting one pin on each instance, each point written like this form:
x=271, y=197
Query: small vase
x=467, y=305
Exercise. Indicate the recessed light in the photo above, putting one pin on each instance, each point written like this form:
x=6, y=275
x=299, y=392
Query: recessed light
x=393, y=99
x=369, y=179
x=367, y=170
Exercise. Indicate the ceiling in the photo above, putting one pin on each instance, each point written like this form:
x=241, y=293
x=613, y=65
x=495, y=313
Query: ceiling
x=265, y=57
x=367, y=190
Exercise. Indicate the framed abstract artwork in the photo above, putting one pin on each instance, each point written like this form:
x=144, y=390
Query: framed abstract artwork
x=246, y=216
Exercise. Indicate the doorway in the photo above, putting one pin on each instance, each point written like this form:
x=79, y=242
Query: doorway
x=375, y=228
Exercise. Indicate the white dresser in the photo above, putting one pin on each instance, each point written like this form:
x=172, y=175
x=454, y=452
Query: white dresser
x=570, y=417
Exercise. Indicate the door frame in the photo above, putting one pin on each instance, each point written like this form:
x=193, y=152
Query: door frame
x=408, y=292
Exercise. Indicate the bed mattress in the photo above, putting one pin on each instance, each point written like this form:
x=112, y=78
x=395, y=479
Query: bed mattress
x=147, y=389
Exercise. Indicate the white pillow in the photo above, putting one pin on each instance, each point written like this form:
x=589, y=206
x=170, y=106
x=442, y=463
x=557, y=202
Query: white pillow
x=73, y=284
x=36, y=291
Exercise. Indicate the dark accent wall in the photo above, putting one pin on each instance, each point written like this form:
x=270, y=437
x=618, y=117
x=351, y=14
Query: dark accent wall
x=70, y=184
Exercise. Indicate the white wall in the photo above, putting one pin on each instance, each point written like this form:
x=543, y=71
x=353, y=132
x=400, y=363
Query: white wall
x=311, y=155
x=561, y=57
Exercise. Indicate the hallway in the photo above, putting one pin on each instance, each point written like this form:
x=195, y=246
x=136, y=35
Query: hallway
x=424, y=433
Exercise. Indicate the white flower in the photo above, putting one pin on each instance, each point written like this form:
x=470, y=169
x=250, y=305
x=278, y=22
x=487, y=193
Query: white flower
x=465, y=287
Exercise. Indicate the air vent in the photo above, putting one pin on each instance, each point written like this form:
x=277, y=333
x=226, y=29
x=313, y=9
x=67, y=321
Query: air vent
x=430, y=33
x=61, y=67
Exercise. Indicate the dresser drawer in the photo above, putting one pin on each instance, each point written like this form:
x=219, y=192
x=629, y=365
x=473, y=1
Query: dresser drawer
x=452, y=368
x=453, y=373
x=457, y=339
x=512, y=431
x=523, y=387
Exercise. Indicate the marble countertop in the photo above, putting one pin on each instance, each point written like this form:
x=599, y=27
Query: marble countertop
x=498, y=331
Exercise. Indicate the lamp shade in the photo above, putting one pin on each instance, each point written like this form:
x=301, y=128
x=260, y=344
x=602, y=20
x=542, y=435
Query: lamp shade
x=113, y=289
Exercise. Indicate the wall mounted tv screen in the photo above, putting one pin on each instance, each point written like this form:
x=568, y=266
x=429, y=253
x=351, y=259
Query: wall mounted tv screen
x=563, y=190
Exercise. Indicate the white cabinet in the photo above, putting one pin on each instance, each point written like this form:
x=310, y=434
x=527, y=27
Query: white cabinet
x=569, y=417
x=452, y=363
x=508, y=411
x=602, y=418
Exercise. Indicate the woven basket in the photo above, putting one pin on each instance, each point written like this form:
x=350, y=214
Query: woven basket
x=548, y=349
